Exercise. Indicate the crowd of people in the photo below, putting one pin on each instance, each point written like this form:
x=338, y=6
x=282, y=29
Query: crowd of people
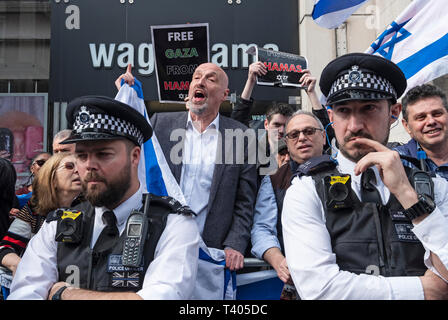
x=328, y=204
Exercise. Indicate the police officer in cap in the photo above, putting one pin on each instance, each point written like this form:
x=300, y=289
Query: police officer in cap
x=358, y=226
x=120, y=244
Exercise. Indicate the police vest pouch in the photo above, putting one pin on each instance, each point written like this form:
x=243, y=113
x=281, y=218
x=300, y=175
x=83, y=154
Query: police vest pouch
x=337, y=191
x=69, y=226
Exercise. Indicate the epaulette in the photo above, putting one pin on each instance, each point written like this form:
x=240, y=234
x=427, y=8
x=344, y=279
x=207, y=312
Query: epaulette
x=171, y=203
x=315, y=165
x=76, y=206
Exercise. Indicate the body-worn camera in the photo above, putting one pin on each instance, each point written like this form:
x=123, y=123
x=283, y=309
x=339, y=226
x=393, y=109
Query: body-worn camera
x=69, y=227
x=337, y=191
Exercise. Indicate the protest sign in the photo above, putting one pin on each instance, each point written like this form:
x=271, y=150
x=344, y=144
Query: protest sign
x=284, y=69
x=178, y=50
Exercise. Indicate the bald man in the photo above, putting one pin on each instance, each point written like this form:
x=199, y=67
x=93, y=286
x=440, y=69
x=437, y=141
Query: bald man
x=220, y=191
x=219, y=188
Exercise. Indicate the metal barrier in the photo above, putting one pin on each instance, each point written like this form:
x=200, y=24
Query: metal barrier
x=254, y=262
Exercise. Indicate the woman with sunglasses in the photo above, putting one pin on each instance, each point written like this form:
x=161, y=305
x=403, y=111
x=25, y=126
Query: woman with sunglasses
x=36, y=163
x=24, y=193
x=56, y=186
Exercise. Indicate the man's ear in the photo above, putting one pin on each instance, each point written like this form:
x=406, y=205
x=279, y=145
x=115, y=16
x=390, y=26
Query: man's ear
x=135, y=155
x=330, y=114
x=395, y=111
x=406, y=127
x=226, y=94
x=266, y=124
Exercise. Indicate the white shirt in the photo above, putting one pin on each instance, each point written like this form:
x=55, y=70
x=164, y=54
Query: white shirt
x=198, y=167
x=312, y=262
x=171, y=275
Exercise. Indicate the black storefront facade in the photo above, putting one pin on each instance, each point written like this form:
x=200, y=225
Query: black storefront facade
x=61, y=49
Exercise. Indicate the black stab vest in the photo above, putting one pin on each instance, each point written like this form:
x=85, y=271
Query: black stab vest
x=104, y=271
x=371, y=238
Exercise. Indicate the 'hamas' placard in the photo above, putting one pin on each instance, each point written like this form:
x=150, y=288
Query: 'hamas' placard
x=284, y=69
x=178, y=50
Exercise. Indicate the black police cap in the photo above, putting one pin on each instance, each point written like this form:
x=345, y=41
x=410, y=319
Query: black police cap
x=104, y=118
x=361, y=76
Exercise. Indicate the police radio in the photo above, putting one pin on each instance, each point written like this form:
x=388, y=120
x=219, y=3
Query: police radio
x=422, y=183
x=337, y=192
x=69, y=226
x=136, y=232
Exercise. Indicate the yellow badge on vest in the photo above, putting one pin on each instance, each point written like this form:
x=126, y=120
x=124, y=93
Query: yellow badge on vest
x=339, y=179
x=71, y=215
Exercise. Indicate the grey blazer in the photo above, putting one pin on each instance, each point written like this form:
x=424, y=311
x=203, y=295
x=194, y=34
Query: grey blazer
x=233, y=189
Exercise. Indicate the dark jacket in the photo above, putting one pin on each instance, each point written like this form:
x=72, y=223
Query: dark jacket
x=233, y=189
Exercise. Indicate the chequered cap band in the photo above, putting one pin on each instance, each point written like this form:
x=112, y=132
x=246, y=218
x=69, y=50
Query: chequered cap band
x=367, y=81
x=105, y=123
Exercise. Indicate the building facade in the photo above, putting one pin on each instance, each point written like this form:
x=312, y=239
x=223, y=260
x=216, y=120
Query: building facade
x=54, y=50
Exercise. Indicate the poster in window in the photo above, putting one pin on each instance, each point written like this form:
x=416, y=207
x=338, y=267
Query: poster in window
x=23, y=128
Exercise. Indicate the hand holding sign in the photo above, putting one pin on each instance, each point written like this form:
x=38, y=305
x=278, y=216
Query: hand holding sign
x=256, y=69
x=308, y=82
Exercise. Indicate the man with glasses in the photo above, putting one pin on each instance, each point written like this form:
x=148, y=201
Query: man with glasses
x=106, y=254
x=305, y=138
x=277, y=114
x=357, y=226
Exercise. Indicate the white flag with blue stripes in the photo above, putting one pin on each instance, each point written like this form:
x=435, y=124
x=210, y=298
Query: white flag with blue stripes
x=417, y=41
x=154, y=172
x=214, y=281
x=332, y=13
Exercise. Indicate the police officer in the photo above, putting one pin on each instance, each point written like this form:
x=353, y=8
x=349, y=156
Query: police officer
x=86, y=252
x=356, y=227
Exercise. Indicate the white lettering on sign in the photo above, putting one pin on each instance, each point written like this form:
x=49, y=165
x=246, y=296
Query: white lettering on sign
x=103, y=55
x=221, y=57
x=180, y=36
x=73, y=20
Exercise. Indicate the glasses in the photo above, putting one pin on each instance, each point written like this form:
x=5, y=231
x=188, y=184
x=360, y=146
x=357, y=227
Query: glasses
x=40, y=162
x=294, y=135
x=68, y=166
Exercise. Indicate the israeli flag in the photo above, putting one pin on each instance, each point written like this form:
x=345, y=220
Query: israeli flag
x=417, y=41
x=153, y=170
x=214, y=281
x=332, y=13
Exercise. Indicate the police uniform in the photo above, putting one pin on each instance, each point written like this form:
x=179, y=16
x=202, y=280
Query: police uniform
x=334, y=248
x=169, y=264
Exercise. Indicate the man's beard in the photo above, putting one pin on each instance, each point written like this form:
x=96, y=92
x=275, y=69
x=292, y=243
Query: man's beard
x=114, y=190
x=197, y=110
x=358, y=151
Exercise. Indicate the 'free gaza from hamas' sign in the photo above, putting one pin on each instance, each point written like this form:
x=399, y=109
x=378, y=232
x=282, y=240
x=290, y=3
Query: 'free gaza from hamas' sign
x=178, y=50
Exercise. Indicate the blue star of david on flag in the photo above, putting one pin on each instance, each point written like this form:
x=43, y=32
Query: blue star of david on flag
x=387, y=49
x=417, y=41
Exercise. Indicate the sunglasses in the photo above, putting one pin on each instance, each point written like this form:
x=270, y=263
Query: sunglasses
x=40, y=162
x=294, y=135
x=68, y=166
